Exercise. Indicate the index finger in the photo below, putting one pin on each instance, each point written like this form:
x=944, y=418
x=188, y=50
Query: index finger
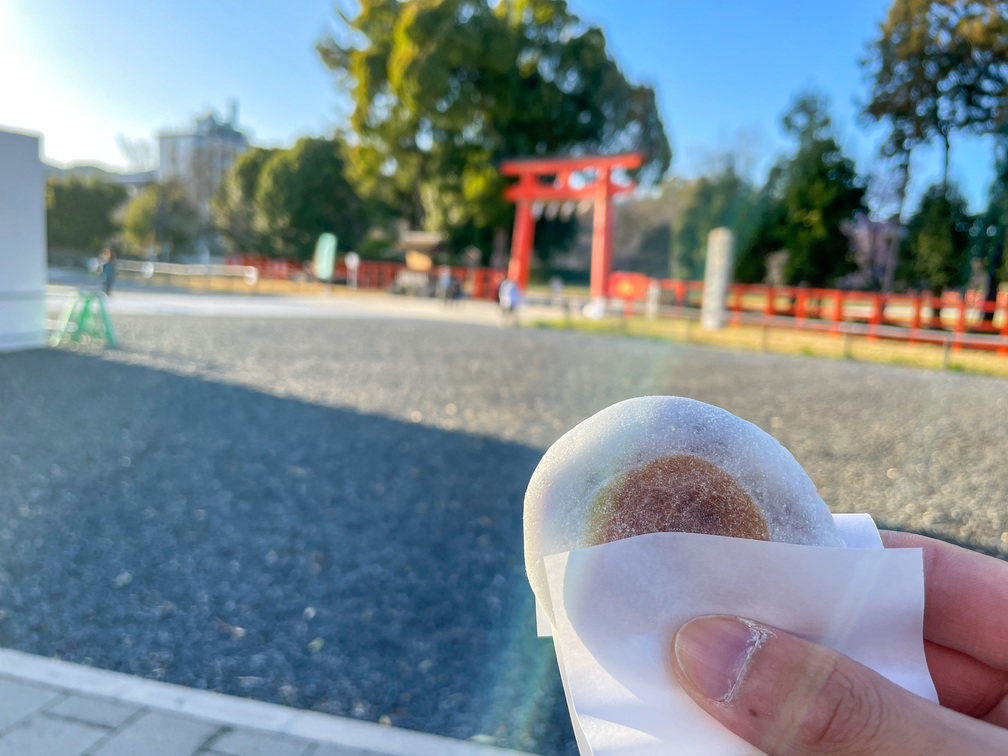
x=965, y=597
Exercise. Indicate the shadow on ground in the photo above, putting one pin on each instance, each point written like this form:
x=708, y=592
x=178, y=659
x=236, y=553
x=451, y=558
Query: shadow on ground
x=222, y=538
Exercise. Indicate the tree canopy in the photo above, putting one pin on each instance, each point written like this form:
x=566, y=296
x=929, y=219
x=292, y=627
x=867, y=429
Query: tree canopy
x=443, y=89
x=724, y=199
x=162, y=214
x=277, y=202
x=233, y=207
x=80, y=213
x=806, y=200
x=936, y=248
x=301, y=193
x=995, y=220
x=939, y=67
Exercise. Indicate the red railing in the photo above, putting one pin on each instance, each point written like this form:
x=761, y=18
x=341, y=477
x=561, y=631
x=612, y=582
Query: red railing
x=957, y=320
x=477, y=283
x=953, y=319
x=269, y=267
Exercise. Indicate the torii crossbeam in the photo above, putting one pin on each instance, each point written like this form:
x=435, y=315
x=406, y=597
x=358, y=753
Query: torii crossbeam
x=549, y=180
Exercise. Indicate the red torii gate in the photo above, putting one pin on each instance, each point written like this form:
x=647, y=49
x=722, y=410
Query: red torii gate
x=557, y=171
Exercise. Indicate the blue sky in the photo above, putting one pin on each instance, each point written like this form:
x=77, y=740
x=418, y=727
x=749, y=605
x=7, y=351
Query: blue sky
x=82, y=72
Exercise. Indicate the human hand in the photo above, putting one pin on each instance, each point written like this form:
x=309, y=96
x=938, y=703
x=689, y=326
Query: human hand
x=786, y=695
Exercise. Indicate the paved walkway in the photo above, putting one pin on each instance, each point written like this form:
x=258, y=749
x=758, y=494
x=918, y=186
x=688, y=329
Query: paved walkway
x=135, y=299
x=54, y=708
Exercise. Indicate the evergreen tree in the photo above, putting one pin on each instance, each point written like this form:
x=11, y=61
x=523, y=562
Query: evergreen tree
x=805, y=203
x=80, y=213
x=938, y=67
x=162, y=214
x=936, y=248
x=724, y=199
x=233, y=207
x=770, y=233
x=301, y=193
x=444, y=89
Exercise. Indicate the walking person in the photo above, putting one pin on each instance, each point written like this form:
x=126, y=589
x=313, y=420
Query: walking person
x=444, y=284
x=108, y=269
x=509, y=297
x=454, y=291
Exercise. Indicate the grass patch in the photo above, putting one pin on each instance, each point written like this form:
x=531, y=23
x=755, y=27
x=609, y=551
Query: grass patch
x=569, y=290
x=786, y=341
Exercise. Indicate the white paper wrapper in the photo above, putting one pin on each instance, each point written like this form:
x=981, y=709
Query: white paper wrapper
x=618, y=605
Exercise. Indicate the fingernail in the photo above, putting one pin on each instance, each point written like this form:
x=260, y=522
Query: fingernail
x=714, y=654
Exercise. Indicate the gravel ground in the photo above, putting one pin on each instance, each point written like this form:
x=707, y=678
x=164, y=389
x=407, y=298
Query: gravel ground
x=328, y=513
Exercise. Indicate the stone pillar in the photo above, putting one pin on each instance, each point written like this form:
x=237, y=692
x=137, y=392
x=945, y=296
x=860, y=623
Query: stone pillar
x=23, y=270
x=717, y=278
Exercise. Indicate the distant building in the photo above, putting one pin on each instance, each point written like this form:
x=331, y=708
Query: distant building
x=198, y=160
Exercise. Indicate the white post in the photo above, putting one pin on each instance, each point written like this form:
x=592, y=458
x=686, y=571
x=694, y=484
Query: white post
x=352, y=262
x=653, y=299
x=717, y=277
x=23, y=270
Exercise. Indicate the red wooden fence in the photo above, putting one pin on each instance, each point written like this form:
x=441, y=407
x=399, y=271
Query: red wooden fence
x=477, y=283
x=955, y=319
x=960, y=320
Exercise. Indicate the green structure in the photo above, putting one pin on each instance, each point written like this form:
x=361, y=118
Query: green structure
x=325, y=257
x=86, y=314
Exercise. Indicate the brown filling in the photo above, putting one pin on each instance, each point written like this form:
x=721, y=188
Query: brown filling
x=676, y=494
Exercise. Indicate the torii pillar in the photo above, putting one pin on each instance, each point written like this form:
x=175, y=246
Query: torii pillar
x=557, y=172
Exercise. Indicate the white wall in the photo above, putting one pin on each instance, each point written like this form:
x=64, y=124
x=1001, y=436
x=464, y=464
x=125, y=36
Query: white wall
x=22, y=242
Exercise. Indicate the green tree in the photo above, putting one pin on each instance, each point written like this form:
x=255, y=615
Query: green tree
x=301, y=193
x=162, y=215
x=770, y=232
x=233, y=207
x=936, y=248
x=822, y=192
x=724, y=199
x=996, y=221
x=80, y=213
x=806, y=201
x=443, y=89
x=904, y=85
x=991, y=239
x=938, y=67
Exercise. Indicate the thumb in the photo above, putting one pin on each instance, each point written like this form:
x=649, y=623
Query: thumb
x=786, y=695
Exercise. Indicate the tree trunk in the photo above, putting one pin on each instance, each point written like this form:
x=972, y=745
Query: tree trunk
x=417, y=218
x=901, y=191
x=948, y=150
x=993, y=268
x=893, y=244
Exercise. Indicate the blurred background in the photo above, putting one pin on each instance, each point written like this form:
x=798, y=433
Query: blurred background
x=859, y=146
